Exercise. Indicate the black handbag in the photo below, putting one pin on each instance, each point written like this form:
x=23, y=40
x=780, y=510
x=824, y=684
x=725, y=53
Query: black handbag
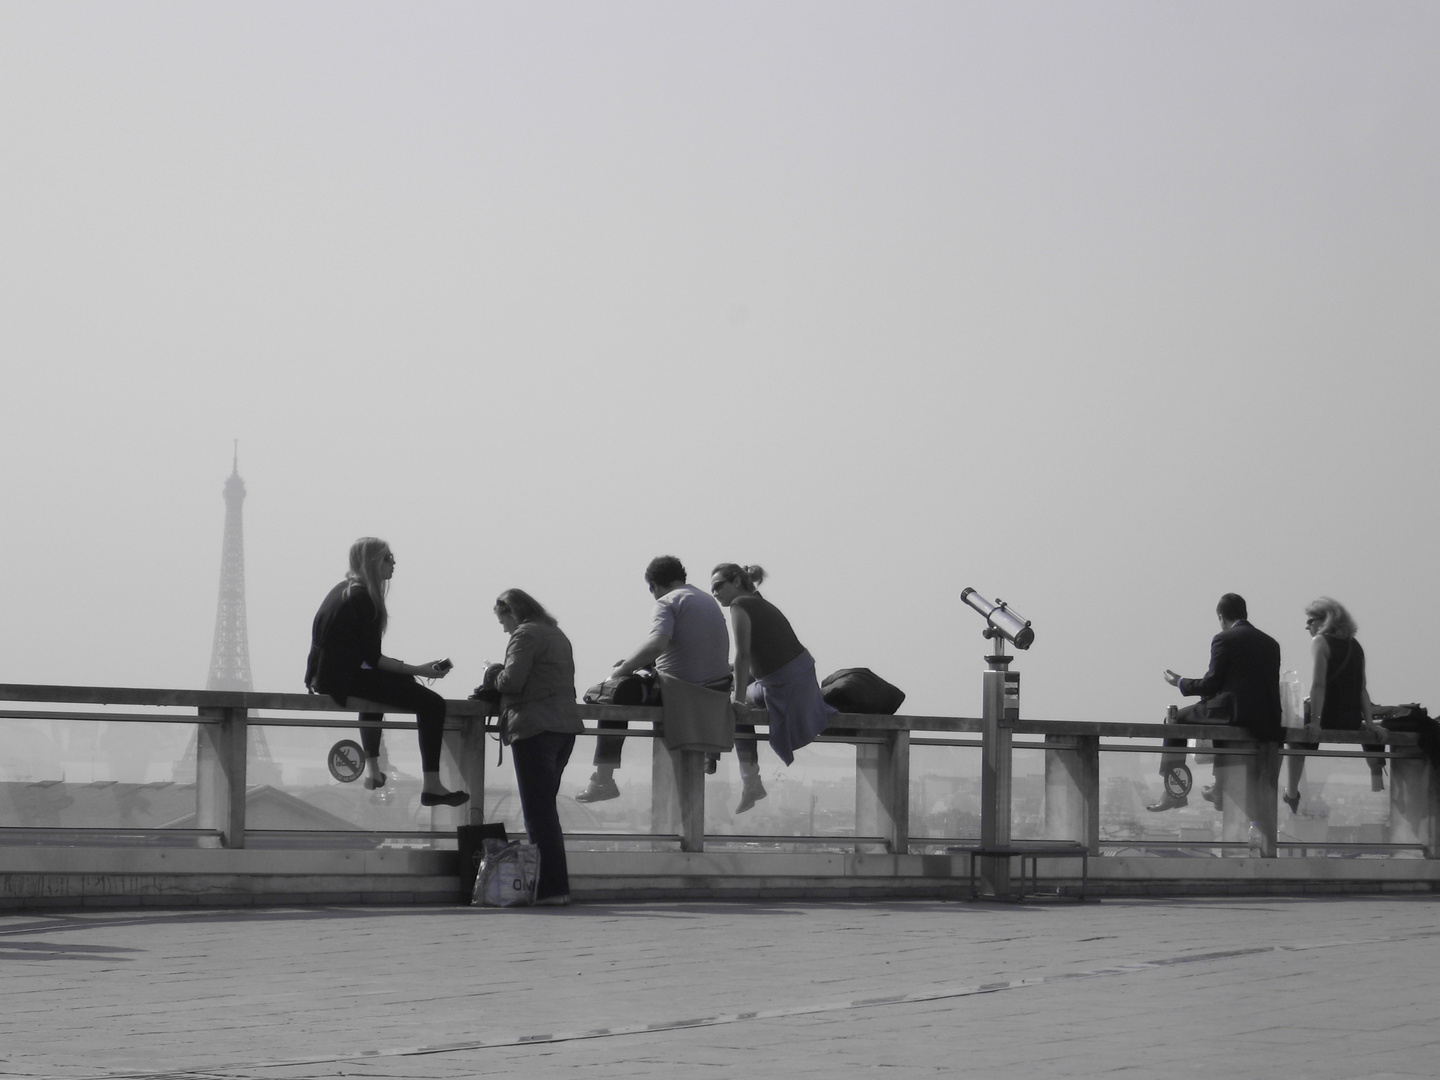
x=639, y=688
x=488, y=692
x=490, y=697
x=1416, y=718
x=860, y=690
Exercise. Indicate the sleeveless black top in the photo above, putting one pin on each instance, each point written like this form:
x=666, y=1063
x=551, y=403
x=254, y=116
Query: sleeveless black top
x=1344, y=685
x=773, y=643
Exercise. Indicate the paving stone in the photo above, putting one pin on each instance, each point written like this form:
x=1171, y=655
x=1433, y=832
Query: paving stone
x=1322, y=987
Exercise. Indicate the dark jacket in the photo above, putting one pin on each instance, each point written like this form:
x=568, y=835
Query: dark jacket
x=1244, y=662
x=345, y=634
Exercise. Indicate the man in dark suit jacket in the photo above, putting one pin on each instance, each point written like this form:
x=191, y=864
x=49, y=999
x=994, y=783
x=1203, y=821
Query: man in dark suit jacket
x=1242, y=688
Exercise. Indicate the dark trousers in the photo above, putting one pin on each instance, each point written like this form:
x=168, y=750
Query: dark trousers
x=1190, y=714
x=404, y=694
x=1377, y=764
x=539, y=762
x=608, y=747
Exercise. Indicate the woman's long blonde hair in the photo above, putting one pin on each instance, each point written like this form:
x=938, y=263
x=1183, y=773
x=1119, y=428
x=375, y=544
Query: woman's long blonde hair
x=366, y=556
x=1334, y=619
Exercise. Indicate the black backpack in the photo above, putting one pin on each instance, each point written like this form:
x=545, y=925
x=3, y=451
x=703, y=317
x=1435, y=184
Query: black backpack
x=1414, y=718
x=860, y=690
x=641, y=688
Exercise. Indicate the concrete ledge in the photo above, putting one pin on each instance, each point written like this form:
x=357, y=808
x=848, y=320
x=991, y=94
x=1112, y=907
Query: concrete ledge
x=165, y=861
x=134, y=877
x=1187, y=873
x=674, y=875
x=226, y=890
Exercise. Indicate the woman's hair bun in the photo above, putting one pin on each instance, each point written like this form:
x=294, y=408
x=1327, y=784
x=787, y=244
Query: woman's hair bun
x=756, y=574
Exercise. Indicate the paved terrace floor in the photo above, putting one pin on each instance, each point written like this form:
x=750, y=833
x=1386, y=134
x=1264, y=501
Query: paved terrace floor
x=1315, y=988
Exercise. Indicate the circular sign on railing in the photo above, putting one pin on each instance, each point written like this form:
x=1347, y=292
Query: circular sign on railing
x=346, y=761
x=1178, y=781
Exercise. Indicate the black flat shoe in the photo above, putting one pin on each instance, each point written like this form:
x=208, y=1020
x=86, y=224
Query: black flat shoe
x=450, y=798
x=1294, y=803
x=371, y=785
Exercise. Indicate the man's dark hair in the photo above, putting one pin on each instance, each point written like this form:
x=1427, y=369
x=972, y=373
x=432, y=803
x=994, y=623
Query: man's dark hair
x=1231, y=606
x=665, y=570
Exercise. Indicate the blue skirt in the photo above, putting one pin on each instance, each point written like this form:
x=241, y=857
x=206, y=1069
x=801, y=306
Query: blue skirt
x=791, y=695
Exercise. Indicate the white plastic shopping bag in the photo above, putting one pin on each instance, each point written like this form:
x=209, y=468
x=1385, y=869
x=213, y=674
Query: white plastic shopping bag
x=509, y=874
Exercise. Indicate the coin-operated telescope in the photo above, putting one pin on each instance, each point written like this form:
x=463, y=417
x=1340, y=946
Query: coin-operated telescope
x=1000, y=621
x=1001, y=708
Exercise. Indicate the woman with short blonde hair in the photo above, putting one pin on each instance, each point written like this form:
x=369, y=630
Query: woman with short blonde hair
x=1339, y=697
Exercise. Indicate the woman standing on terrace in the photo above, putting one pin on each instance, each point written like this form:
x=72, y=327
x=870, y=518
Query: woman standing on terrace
x=539, y=722
x=345, y=661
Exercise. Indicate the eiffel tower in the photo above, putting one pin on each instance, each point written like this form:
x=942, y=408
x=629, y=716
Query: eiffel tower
x=230, y=652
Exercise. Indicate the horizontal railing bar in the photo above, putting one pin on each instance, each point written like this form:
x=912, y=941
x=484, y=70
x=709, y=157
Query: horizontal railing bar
x=948, y=841
x=1175, y=843
x=1378, y=845
x=730, y=838
x=1239, y=751
x=104, y=831
x=1236, y=751
x=376, y=834
x=974, y=841
x=350, y=722
x=759, y=838
x=627, y=837
x=862, y=724
x=405, y=725
x=724, y=838
x=142, y=718
x=1345, y=844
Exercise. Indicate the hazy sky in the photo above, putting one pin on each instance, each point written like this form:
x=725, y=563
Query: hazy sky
x=1106, y=308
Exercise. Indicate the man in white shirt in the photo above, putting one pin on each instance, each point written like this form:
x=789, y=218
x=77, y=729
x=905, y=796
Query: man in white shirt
x=688, y=640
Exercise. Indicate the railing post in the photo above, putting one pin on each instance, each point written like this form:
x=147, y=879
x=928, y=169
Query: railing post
x=1415, y=804
x=677, y=794
x=1072, y=789
x=689, y=769
x=1250, y=787
x=882, y=791
x=220, y=752
x=1432, y=797
x=462, y=765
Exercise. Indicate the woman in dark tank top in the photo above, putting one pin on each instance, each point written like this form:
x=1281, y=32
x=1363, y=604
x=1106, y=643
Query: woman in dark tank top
x=1339, y=700
x=784, y=672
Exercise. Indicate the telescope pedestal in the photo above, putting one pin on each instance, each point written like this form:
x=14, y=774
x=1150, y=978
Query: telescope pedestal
x=1001, y=708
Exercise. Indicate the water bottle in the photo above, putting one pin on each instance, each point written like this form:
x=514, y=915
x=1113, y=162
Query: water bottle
x=1256, y=844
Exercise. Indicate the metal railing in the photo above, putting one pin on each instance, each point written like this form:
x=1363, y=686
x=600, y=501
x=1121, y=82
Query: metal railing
x=883, y=747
